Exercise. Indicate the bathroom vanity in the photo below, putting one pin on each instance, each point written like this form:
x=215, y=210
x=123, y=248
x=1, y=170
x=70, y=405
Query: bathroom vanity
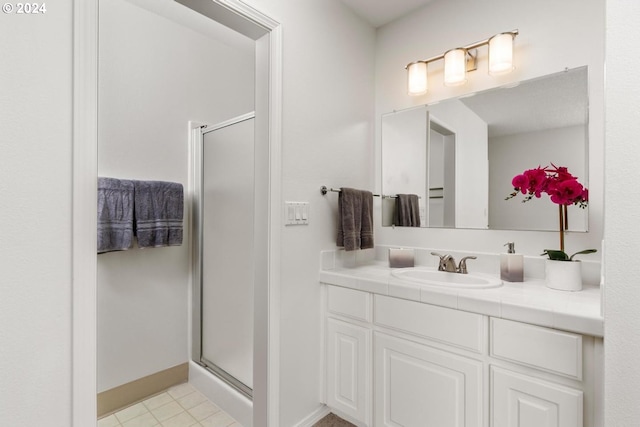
x=399, y=353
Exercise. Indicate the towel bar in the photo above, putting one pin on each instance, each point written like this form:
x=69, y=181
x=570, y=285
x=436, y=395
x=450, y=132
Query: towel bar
x=324, y=190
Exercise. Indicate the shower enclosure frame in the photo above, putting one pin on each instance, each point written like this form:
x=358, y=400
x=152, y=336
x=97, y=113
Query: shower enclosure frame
x=197, y=220
x=268, y=36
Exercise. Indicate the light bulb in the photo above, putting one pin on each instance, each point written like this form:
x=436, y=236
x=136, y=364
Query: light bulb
x=455, y=67
x=501, y=54
x=417, y=78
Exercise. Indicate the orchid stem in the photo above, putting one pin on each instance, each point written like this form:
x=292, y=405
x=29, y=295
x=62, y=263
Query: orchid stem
x=561, y=218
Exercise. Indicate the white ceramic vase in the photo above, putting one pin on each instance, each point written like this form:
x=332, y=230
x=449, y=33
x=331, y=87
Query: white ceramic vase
x=563, y=275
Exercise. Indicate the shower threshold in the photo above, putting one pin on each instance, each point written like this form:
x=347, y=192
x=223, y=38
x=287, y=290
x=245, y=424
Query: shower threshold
x=229, y=379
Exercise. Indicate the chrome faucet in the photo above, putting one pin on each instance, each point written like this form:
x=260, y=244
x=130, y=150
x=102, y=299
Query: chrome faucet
x=448, y=263
x=462, y=267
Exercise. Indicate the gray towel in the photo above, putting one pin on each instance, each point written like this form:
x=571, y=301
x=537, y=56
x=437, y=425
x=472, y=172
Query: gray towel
x=159, y=208
x=407, y=210
x=366, y=232
x=355, y=219
x=115, y=214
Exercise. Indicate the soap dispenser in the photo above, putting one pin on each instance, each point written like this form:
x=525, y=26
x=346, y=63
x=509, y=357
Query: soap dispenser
x=511, y=265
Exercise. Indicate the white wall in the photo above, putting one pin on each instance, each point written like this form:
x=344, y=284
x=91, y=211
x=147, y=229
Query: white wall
x=471, y=173
x=551, y=38
x=155, y=75
x=328, y=62
x=563, y=147
x=35, y=218
x=622, y=215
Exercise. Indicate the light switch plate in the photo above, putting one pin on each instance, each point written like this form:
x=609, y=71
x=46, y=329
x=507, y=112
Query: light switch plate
x=296, y=213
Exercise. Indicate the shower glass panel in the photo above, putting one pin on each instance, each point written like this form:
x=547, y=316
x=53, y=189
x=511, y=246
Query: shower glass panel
x=226, y=258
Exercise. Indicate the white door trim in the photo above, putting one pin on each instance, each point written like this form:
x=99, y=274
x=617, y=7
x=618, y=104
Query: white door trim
x=84, y=208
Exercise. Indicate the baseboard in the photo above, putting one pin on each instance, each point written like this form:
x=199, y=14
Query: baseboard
x=110, y=401
x=314, y=417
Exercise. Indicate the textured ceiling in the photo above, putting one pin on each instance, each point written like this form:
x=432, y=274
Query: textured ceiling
x=546, y=103
x=380, y=12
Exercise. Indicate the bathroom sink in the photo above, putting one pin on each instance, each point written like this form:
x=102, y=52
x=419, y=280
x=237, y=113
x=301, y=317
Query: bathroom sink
x=430, y=276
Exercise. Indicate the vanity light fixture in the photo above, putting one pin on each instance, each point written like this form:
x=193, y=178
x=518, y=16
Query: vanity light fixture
x=457, y=62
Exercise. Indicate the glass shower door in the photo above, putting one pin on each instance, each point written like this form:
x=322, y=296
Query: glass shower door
x=227, y=261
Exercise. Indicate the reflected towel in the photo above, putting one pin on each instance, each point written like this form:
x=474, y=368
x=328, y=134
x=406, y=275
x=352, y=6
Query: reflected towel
x=355, y=219
x=407, y=210
x=159, y=208
x=115, y=214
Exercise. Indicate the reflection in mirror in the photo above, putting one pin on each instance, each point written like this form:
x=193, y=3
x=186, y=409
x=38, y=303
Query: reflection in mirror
x=404, y=156
x=438, y=152
x=441, y=164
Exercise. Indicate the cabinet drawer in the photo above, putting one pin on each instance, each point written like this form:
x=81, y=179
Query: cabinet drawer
x=349, y=302
x=458, y=328
x=547, y=349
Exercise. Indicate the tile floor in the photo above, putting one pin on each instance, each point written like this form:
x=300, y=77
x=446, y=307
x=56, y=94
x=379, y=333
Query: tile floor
x=180, y=406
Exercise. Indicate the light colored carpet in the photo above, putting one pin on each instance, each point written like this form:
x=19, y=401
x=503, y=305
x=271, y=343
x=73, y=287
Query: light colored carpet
x=333, y=420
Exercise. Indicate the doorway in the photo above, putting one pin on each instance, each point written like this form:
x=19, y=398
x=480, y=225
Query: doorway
x=267, y=34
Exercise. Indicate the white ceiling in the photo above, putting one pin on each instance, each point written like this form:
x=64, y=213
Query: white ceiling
x=380, y=12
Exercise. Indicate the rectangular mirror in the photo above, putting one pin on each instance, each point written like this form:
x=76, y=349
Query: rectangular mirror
x=457, y=157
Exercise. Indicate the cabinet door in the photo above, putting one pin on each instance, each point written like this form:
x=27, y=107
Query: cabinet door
x=522, y=401
x=349, y=369
x=419, y=386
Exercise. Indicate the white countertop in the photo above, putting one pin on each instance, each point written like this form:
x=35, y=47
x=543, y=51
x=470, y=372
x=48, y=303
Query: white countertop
x=530, y=301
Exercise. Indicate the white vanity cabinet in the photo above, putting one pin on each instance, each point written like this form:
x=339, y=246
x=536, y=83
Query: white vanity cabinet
x=417, y=385
x=348, y=369
x=519, y=400
x=348, y=354
x=527, y=400
x=396, y=362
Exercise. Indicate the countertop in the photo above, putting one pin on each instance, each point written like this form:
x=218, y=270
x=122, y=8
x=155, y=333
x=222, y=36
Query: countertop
x=529, y=301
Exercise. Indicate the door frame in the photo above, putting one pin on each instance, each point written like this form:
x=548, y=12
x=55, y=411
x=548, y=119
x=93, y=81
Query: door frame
x=268, y=36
